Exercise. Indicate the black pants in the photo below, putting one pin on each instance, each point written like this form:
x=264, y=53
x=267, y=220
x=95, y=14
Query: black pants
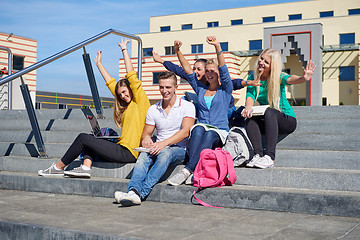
x=272, y=123
x=92, y=147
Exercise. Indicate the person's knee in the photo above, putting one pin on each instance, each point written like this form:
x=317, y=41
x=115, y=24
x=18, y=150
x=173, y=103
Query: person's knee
x=197, y=131
x=271, y=113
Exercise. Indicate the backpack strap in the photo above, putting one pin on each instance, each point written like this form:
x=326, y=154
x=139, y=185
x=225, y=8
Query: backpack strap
x=230, y=169
x=200, y=201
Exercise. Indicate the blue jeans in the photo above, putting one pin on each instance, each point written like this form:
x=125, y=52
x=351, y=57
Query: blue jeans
x=200, y=140
x=143, y=179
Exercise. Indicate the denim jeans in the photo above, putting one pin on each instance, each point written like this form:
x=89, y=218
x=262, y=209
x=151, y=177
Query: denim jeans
x=143, y=179
x=200, y=140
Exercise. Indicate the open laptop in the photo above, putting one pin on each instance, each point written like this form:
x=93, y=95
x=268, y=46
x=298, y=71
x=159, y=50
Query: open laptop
x=96, y=130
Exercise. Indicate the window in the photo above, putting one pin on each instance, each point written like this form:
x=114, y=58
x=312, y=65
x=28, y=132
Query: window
x=18, y=62
x=62, y=106
x=255, y=44
x=269, y=19
x=347, y=73
x=213, y=24
x=327, y=14
x=295, y=16
x=155, y=77
x=169, y=50
x=224, y=46
x=237, y=22
x=165, y=29
x=354, y=11
x=186, y=26
x=347, y=38
x=197, y=48
x=147, y=52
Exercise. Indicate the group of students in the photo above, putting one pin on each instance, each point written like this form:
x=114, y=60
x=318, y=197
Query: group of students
x=182, y=129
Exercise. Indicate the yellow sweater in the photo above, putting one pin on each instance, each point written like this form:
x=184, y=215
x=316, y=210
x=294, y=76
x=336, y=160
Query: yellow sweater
x=133, y=120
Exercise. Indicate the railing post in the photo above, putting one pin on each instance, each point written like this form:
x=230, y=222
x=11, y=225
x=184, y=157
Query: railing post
x=33, y=120
x=92, y=83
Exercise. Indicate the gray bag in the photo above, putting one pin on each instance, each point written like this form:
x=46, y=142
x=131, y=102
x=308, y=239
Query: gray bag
x=239, y=146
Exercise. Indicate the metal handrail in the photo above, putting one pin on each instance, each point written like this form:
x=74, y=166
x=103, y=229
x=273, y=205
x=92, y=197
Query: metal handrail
x=10, y=69
x=74, y=48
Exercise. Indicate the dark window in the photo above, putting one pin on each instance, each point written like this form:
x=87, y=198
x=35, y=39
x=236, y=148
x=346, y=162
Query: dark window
x=169, y=50
x=62, y=106
x=255, y=44
x=324, y=101
x=18, y=62
x=186, y=26
x=155, y=77
x=224, y=46
x=327, y=14
x=347, y=73
x=212, y=24
x=197, y=48
x=295, y=16
x=165, y=29
x=237, y=22
x=38, y=105
x=269, y=19
x=147, y=52
x=347, y=38
x=354, y=11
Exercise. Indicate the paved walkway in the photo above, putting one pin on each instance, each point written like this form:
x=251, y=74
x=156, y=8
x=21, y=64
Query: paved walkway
x=64, y=214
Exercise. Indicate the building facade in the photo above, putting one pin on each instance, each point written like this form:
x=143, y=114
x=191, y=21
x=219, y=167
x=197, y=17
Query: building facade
x=241, y=32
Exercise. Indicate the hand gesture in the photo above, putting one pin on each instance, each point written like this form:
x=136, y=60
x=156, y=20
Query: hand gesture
x=309, y=70
x=97, y=59
x=156, y=57
x=212, y=40
x=123, y=43
x=157, y=147
x=247, y=112
x=254, y=83
x=177, y=45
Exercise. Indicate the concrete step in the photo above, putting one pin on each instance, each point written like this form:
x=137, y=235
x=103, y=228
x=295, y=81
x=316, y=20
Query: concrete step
x=30, y=149
x=336, y=203
x=327, y=112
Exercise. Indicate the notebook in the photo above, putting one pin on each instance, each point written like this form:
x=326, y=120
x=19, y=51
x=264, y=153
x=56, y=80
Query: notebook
x=96, y=130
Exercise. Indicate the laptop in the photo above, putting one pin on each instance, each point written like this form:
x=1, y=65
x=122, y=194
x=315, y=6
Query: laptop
x=96, y=130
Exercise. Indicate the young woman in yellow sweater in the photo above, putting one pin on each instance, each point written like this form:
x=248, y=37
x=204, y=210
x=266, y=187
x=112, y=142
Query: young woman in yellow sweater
x=131, y=105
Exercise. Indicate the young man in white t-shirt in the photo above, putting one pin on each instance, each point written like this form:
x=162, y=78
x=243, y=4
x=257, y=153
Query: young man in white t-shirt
x=172, y=118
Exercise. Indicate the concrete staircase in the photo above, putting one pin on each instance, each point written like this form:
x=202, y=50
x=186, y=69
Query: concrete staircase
x=317, y=168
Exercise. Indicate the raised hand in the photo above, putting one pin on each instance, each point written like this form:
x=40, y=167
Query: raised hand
x=309, y=70
x=123, y=43
x=177, y=45
x=157, y=58
x=97, y=59
x=212, y=40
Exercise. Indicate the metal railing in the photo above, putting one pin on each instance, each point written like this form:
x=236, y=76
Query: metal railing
x=25, y=91
x=10, y=68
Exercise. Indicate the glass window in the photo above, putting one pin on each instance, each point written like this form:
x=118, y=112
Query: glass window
x=354, y=11
x=347, y=73
x=295, y=16
x=197, y=48
x=186, y=26
x=169, y=50
x=347, y=38
x=327, y=14
x=212, y=24
x=165, y=29
x=155, y=77
x=224, y=46
x=269, y=19
x=147, y=52
x=237, y=22
x=255, y=44
x=18, y=62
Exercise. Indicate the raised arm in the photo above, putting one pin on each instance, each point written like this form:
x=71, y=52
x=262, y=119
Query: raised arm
x=125, y=52
x=101, y=68
x=308, y=72
x=170, y=66
x=184, y=63
x=212, y=40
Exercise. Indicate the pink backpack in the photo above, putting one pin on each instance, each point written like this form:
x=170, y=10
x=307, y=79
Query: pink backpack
x=212, y=170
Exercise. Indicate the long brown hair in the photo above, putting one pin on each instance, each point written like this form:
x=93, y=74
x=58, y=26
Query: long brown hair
x=120, y=105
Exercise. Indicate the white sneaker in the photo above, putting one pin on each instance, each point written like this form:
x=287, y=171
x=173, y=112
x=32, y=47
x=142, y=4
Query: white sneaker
x=51, y=171
x=190, y=180
x=179, y=178
x=265, y=162
x=130, y=197
x=253, y=161
x=119, y=196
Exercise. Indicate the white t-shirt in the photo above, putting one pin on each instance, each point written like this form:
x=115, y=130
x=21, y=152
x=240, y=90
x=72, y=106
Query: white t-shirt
x=167, y=125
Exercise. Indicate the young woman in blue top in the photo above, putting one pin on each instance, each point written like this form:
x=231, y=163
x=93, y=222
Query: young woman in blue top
x=279, y=117
x=213, y=106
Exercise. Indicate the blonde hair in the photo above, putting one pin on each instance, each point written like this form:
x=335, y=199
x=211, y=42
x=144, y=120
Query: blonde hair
x=120, y=105
x=273, y=81
x=212, y=61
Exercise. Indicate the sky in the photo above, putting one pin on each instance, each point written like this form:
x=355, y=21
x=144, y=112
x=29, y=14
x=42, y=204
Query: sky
x=60, y=24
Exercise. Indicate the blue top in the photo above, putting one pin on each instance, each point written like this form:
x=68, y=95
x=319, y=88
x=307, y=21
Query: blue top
x=181, y=73
x=208, y=101
x=217, y=114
